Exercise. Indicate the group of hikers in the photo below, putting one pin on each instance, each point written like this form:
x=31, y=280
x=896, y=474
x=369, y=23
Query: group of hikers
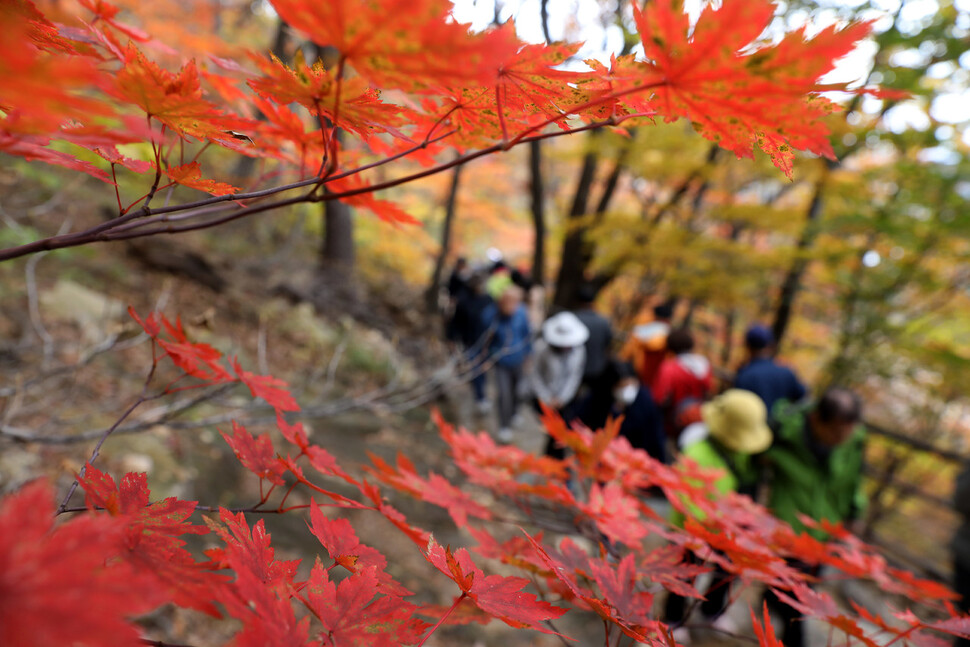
x=801, y=456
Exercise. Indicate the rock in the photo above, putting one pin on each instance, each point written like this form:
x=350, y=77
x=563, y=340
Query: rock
x=92, y=312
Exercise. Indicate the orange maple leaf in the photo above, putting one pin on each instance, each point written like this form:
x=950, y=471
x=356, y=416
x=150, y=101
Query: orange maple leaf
x=408, y=44
x=736, y=94
x=348, y=102
x=190, y=175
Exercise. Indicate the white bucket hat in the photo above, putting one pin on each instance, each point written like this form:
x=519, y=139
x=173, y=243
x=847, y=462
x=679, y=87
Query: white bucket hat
x=565, y=330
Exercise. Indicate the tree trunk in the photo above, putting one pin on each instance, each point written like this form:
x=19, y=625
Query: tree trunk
x=793, y=280
x=431, y=294
x=577, y=253
x=537, y=191
x=571, y=270
x=337, y=254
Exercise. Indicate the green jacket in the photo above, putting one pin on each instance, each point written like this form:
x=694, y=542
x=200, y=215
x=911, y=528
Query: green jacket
x=802, y=484
x=738, y=471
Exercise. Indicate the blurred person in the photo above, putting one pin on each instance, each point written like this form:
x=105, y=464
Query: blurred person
x=642, y=421
x=733, y=427
x=815, y=471
x=762, y=375
x=509, y=344
x=468, y=328
x=647, y=344
x=557, y=369
x=684, y=380
x=458, y=279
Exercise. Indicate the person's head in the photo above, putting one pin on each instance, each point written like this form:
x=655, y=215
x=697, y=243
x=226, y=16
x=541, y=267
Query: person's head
x=758, y=339
x=564, y=331
x=626, y=383
x=663, y=312
x=738, y=420
x=476, y=282
x=509, y=300
x=461, y=263
x=586, y=295
x=680, y=341
x=835, y=416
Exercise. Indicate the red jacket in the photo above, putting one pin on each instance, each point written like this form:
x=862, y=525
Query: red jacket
x=686, y=376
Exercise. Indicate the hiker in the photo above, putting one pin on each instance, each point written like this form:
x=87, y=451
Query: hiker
x=642, y=421
x=647, y=344
x=684, y=380
x=458, y=279
x=557, y=369
x=961, y=546
x=762, y=375
x=815, y=471
x=733, y=427
x=467, y=327
x=509, y=344
x=598, y=360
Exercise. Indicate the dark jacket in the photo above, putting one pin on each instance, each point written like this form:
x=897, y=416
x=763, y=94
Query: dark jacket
x=598, y=343
x=643, y=425
x=509, y=338
x=961, y=503
x=770, y=381
x=467, y=324
x=802, y=483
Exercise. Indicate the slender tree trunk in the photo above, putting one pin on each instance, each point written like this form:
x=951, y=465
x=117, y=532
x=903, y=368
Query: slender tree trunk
x=434, y=287
x=537, y=192
x=577, y=253
x=337, y=251
x=571, y=271
x=793, y=279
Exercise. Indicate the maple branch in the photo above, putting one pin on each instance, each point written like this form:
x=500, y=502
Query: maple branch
x=109, y=231
x=159, y=643
x=454, y=606
x=97, y=449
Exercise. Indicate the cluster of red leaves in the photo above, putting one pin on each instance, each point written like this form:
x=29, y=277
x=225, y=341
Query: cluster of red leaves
x=85, y=581
x=92, y=82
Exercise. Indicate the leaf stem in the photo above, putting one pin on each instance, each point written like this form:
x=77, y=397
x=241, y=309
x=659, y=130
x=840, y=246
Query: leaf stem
x=454, y=606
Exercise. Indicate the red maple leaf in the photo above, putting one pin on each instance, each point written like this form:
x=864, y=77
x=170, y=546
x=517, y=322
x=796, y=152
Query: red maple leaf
x=355, y=610
x=343, y=546
x=273, y=390
x=766, y=635
x=363, y=198
x=249, y=550
x=255, y=453
x=56, y=585
x=152, y=544
x=501, y=597
x=601, y=607
x=434, y=489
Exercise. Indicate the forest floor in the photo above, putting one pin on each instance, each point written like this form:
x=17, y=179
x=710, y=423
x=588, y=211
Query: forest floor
x=364, y=364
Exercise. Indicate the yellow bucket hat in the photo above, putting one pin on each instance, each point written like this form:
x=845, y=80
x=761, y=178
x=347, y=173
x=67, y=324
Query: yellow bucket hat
x=738, y=420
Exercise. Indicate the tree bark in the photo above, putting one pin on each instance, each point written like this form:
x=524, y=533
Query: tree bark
x=537, y=192
x=434, y=287
x=793, y=279
x=571, y=271
x=577, y=253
